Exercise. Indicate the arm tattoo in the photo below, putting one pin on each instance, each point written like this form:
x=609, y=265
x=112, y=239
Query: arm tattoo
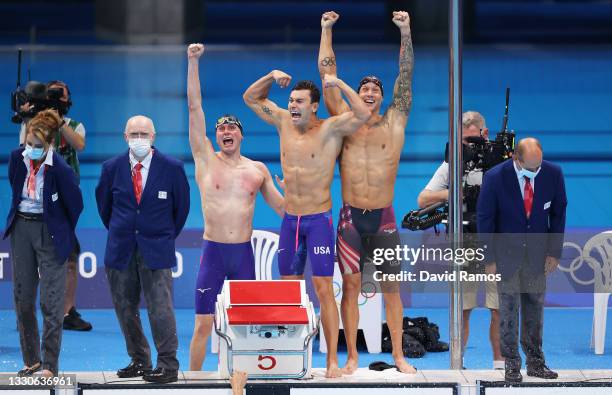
x=328, y=61
x=266, y=110
x=402, y=96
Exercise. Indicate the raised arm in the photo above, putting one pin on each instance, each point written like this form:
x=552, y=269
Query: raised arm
x=327, y=65
x=269, y=192
x=238, y=380
x=348, y=122
x=256, y=97
x=201, y=147
x=402, y=90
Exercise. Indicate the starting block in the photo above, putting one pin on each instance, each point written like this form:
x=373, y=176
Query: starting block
x=265, y=329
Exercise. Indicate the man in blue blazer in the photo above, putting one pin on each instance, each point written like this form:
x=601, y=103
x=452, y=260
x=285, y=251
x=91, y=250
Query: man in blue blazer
x=521, y=221
x=143, y=200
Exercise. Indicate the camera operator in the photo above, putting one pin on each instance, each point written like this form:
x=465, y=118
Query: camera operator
x=68, y=142
x=437, y=191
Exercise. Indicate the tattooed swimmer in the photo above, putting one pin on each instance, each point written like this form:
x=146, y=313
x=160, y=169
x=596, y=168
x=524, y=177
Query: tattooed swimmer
x=368, y=169
x=309, y=148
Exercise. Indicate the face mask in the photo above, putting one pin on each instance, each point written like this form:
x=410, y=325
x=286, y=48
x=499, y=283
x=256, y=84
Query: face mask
x=34, y=153
x=529, y=174
x=140, y=147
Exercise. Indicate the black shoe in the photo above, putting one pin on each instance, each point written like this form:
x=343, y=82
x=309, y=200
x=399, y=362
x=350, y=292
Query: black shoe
x=161, y=376
x=542, y=372
x=30, y=371
x=513, y=375
x=134, y=369
x=74, y=322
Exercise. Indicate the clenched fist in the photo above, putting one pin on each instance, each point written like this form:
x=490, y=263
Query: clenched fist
x=328, y=19
x=281, y=78
x=195, y=50
x=401, y=19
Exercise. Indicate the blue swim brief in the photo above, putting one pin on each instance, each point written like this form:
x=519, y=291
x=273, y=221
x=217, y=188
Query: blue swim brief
x=218, y=262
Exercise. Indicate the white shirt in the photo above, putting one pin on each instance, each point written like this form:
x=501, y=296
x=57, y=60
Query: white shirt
x=27, y=204
x=146, y=164
x=439, y=181
x=521, y=180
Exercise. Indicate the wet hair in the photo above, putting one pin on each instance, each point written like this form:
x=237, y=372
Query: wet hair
x=373, y=79
x=45, y=126
x=315, y=94
x=229, y=119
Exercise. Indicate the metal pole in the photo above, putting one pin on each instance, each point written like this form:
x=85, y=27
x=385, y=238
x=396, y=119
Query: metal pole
x=455, y=208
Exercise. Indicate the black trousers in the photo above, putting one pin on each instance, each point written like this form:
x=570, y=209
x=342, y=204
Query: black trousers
x=156, y=285
x=522, y=295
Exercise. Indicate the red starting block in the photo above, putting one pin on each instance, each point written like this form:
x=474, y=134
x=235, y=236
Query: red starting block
x=265, y=328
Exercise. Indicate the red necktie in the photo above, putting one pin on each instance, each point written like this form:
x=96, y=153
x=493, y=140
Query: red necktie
x=528, y=196
x=32, y=180
x=137, y=181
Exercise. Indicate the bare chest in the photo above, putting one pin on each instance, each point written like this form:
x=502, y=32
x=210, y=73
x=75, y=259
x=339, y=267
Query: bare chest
x=231, y=183
x=376, y=141
x=306, y=150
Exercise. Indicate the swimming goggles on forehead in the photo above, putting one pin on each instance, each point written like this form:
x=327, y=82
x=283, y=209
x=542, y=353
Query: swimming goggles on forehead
x=372, y=79
x=228, y=120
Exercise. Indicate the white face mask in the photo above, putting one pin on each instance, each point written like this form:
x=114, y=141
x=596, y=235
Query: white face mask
x=140, y=147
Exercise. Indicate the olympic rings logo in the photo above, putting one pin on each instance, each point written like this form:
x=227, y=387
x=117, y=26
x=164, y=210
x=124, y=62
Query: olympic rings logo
x=328, y=61
x=368, y=291
x=602, y=271
x=337, y=289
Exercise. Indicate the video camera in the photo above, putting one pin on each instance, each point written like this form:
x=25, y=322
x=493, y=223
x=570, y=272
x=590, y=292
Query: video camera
x=38, y=95
x=479, y=154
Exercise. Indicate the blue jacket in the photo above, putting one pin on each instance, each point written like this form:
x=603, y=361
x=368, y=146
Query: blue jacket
x=151, y=225
x=510, y=237
x=62, y=200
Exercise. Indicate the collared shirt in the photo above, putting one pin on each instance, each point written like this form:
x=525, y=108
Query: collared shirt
x=521, y=180
x=146, y=164
x=27, y=204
